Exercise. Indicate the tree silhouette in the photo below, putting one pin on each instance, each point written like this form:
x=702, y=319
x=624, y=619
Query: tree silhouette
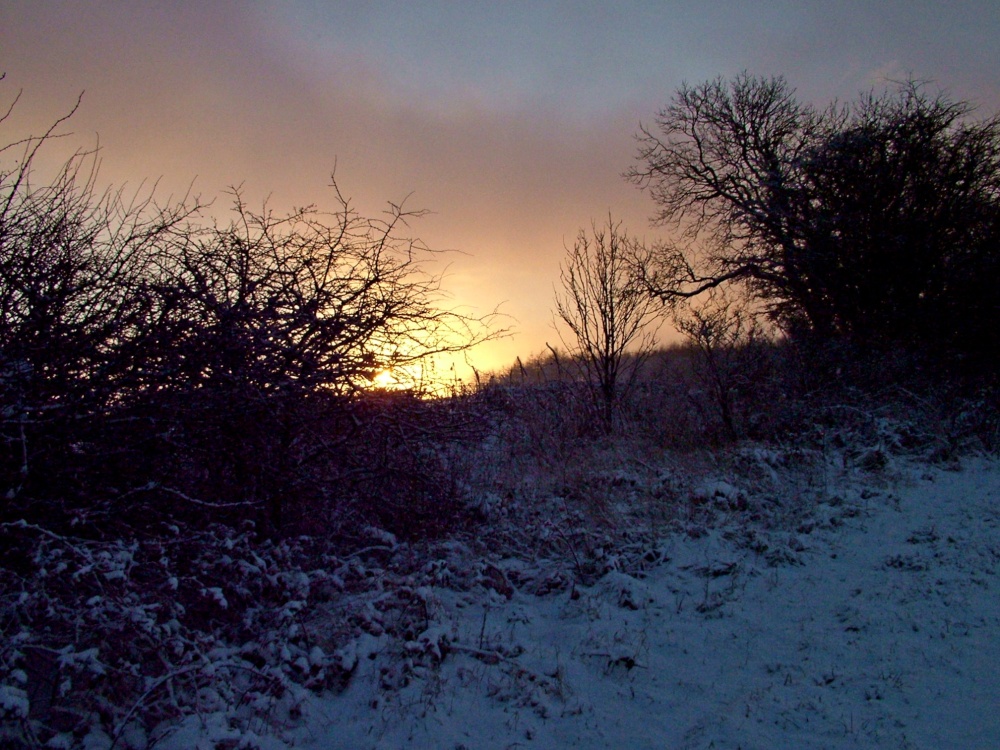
x=874, y=222
x=607, y=310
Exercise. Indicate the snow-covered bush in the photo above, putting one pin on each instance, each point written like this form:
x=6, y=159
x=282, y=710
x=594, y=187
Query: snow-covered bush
x=131, y=633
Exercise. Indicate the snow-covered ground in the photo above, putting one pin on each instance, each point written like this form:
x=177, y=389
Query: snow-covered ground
x=866, y=615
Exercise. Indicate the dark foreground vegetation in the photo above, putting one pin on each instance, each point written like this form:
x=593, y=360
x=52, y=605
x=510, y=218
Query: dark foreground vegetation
x=194, y=464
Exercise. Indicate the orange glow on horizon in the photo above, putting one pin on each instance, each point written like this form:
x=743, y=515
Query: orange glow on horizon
x=385, y=379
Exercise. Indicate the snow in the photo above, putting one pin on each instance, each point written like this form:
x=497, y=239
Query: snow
x=755, y=598
x=876, y=626
x=13, y=700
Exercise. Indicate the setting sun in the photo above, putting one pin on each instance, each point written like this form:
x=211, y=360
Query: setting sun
x=385, y=379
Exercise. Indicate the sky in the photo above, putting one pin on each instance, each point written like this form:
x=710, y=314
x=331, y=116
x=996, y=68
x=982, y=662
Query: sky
x=511, y=122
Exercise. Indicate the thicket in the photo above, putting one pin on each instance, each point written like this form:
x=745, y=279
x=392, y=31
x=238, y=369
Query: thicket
x=155, y=364
x=188, y=427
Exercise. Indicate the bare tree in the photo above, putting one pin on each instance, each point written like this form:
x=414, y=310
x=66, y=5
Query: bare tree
x=873, y=222
x=607, y=309
x=723, y=167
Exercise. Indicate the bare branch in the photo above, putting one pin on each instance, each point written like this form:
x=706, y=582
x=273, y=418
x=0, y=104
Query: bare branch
x=606, y=308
